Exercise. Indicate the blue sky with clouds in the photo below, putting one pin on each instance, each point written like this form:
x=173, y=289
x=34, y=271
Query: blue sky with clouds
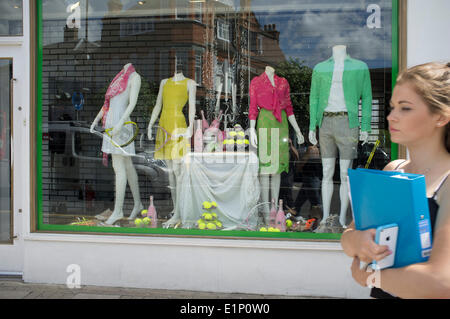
x=309, y=29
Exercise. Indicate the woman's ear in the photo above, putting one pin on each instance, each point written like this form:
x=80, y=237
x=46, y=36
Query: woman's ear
x=442, y=121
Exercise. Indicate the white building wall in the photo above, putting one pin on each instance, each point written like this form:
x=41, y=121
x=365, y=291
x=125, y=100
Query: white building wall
x=221, y=265
x=428, y=31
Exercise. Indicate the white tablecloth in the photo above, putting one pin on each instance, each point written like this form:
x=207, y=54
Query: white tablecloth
x=229, y=178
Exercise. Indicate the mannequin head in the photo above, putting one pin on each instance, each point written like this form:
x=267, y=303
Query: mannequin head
x=339, y=52
x=179, y=66
x=270, y=70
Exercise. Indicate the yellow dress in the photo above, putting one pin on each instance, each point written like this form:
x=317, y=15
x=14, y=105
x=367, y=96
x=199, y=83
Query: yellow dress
x=175, y=97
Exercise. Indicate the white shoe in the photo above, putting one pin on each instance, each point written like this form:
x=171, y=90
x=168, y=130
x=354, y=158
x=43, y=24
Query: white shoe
x=114, y=218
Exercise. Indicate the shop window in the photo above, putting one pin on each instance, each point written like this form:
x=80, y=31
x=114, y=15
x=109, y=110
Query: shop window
x=6, y=220
x=11, y=18
x=217, y=182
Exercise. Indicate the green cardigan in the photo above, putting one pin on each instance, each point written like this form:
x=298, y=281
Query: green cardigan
x=357, y=86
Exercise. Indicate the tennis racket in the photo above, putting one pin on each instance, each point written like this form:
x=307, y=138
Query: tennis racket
x=126, y=136
x=149, y=146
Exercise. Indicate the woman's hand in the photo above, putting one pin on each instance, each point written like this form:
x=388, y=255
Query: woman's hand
x=366, y=248
x=363, y=276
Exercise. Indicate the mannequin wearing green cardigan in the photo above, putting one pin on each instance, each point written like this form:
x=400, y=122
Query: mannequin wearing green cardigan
x=356, y=86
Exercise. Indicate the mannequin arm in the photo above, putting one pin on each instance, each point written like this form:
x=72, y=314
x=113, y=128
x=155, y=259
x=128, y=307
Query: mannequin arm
x=312, y=137
x=134, y=94
x=192, y=89
x=96, y=120
x=294, y=124
x=253, y=137
x=364, y=137
x=156, y=110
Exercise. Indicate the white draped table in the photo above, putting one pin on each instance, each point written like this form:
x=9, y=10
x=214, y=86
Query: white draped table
x=228, y=178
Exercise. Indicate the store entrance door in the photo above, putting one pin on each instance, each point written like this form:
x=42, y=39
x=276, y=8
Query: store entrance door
x=11, y=257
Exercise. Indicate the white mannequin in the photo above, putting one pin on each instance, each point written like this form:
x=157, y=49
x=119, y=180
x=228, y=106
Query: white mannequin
x=272, y=191
x=122, y=164
x=174, y=166
x=328, y=164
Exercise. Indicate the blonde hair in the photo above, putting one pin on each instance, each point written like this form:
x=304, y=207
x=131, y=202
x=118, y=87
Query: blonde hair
x=432, y=82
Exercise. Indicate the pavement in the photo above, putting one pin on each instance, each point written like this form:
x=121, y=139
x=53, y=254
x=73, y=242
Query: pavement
x=17, y=289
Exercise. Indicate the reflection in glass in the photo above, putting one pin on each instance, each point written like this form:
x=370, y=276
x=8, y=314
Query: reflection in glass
x=11, y=18
x=5, y=155
x=222, y=45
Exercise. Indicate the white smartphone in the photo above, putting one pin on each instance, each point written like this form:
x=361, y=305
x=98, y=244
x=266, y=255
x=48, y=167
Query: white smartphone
x=386, y=235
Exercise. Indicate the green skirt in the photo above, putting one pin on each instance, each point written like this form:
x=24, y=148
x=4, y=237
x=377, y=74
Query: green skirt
x=273, y=143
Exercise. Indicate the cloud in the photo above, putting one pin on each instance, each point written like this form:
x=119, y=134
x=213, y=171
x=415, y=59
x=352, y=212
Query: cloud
x=309, y=32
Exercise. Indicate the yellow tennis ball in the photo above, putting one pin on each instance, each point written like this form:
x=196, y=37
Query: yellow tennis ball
x=288, y=222
x=233, y=133
x=207, y=205
x=239, y=142
x=146, y=220
x=144, y=212
x=241, y=133
x=138, y=222
x=276, y=230
x=214, y=204
x=201, y=225
x=246, y=141
x=271, y=229
x=214, y=215
x=207, y=216
x=211, y=226
x=263, y=229
x=218, y=224
x=199, y=221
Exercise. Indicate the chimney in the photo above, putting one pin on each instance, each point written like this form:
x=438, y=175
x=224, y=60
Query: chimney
x=272, y=30
x=70, y=34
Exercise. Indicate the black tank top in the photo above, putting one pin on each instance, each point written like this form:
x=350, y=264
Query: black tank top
x=433, y=208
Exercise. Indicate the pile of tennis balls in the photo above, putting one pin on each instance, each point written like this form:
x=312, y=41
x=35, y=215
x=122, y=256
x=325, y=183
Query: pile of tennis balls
x=237, y=134
x=143, y=222
x=209, y=218
x=289, y=224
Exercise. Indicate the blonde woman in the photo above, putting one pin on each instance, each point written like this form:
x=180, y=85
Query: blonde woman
x=419, y=119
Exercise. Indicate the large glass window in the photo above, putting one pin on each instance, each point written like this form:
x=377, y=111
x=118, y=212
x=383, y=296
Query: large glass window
x=142, y=107
x=11, y=18
x=5, y=150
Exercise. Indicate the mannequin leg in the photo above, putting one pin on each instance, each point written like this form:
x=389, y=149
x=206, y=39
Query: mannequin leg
x=275, y=186
x=174, y=167
x=327, y=186
x=264, y=181
x=134, y=186
x=343, y=192
x=118, y=163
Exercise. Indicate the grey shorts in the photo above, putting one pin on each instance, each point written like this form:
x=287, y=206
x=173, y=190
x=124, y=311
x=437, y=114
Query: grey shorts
x=334, y=135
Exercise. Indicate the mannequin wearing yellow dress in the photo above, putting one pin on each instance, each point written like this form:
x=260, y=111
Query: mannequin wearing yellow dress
x=172, y=97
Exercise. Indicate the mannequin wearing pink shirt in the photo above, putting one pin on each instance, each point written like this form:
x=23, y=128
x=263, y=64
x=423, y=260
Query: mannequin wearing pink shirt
x=270, y=183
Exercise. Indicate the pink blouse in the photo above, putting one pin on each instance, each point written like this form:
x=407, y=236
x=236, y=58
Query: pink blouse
x=264, y=95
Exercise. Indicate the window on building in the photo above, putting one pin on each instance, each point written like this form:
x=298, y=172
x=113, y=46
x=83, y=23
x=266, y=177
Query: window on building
x=213, y=184
x=223, y=30
x=198, y=11
x=198, y=67
x=11, y=18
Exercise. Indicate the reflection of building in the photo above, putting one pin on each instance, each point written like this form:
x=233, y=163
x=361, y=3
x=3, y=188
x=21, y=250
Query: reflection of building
x=213, y=40
x=215, y=43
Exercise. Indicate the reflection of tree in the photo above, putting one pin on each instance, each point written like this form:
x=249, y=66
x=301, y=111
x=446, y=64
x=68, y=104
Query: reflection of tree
x=299, y=78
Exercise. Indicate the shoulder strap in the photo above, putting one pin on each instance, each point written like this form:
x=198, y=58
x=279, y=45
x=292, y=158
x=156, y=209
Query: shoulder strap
x=396, y=168
x=440, y=185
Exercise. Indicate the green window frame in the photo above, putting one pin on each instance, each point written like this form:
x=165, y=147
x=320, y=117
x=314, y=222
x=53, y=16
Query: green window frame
x=37, y=223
